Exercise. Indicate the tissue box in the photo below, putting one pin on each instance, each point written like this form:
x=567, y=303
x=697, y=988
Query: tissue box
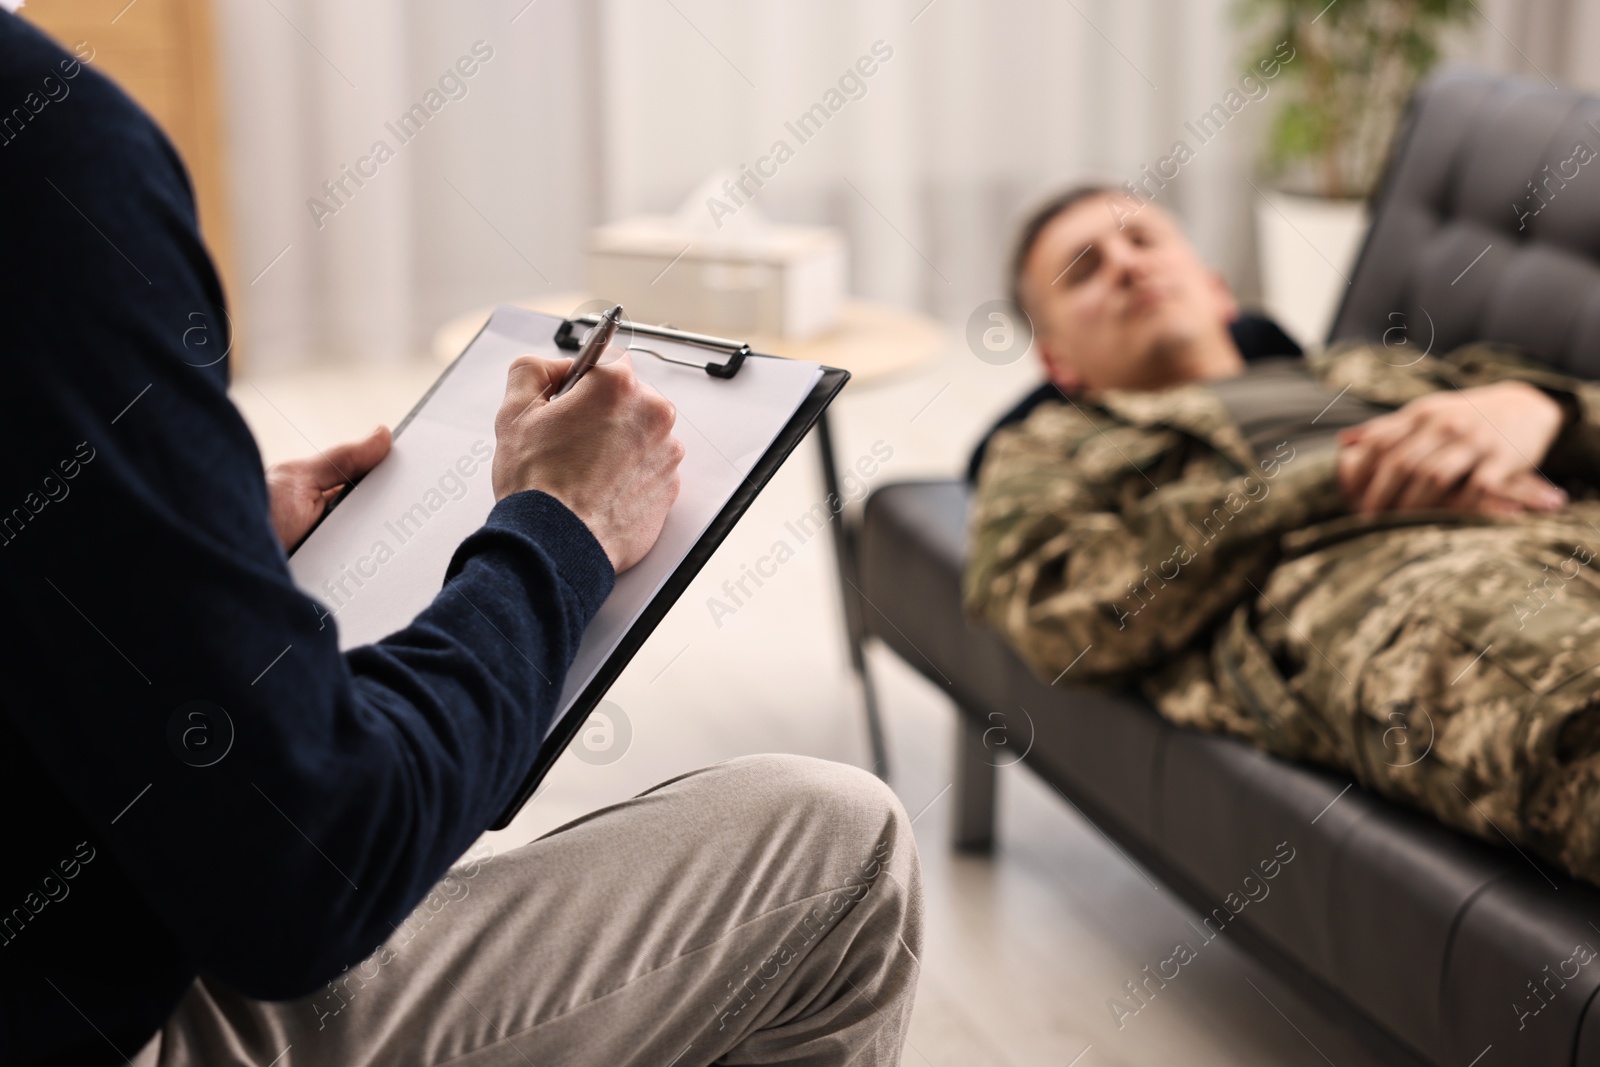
x=764, y=280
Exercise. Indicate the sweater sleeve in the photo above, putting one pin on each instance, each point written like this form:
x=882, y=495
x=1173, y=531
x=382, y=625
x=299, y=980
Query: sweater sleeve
x=140, y=563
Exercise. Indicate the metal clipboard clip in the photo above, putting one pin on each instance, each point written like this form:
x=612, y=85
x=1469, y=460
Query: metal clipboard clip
x=569, y=336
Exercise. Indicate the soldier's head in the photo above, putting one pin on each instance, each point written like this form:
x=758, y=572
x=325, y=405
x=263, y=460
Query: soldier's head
x=1118, y=297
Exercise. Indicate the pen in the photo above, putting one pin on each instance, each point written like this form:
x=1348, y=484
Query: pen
x=594, y=345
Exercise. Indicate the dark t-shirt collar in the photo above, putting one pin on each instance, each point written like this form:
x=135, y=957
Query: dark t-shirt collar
x=1256, y=336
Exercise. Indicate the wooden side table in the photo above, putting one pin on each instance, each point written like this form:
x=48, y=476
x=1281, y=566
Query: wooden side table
x=873, y=342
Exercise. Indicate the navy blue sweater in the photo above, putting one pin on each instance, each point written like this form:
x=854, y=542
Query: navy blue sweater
x=139, y=572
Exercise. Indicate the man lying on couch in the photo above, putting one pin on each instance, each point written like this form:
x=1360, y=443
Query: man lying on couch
x=1368, y=557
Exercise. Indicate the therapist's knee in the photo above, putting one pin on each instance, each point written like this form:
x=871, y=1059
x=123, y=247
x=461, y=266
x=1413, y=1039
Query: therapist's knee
x=847, y=800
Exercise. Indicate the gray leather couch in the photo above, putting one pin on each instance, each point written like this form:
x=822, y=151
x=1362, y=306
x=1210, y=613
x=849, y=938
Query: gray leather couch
x=1421, y=939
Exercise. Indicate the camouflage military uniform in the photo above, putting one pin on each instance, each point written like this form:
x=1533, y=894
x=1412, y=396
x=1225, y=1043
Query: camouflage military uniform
x=1449, y=661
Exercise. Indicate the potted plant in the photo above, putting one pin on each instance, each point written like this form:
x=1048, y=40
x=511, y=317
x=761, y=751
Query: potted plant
x=1339, y=101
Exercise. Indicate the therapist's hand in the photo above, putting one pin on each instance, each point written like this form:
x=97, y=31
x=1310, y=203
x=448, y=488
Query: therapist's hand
x=301, y=489
x=605, y=450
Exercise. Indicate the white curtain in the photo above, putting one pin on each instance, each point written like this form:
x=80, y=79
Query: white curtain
x=489, y=201
x=980, y=106
x=591, y=111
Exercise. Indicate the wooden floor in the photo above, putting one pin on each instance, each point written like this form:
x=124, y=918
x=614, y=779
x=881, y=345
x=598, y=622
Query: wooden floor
x=1024, y=949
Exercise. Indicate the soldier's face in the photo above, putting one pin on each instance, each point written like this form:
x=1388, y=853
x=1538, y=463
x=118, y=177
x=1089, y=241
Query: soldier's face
x=1120, y=299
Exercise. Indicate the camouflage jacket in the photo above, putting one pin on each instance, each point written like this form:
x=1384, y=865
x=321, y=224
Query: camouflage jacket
x=1447, y=661
x=1112, y=538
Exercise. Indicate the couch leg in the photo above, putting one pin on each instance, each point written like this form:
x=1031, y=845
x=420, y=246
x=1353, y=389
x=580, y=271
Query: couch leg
x=975, y=776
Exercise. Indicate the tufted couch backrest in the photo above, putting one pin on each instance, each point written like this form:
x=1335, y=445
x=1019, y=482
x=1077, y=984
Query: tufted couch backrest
x=1486, y=226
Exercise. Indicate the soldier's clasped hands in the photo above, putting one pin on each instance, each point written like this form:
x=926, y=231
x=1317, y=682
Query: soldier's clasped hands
x=1474, y=450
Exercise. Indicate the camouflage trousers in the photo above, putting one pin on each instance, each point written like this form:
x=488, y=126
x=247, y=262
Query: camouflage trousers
x=1453, y=665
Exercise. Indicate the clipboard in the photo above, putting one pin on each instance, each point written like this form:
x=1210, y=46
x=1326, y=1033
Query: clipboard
x=726, y=360
x=833, y=379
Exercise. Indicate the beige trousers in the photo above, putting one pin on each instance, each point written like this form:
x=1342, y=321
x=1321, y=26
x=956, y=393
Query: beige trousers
x=766, y=910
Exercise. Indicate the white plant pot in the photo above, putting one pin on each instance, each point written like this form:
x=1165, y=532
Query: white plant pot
x=1308, y=246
